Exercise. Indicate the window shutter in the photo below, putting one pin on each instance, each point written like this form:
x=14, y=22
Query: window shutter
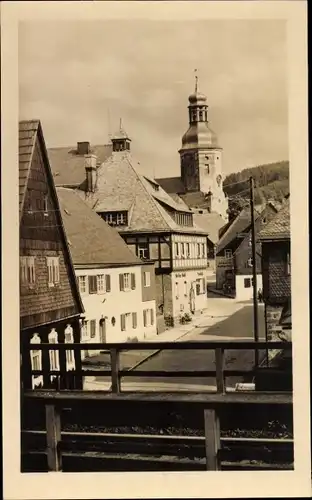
x=144, y=317
x=134, y=320
x=108, y=282
x=92, y=284
x=121, y=282
x=152, y=316
x=122, y=322
x=132, y=281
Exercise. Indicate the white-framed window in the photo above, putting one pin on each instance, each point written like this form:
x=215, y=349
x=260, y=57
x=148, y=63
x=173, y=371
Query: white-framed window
x=188, y=252
x=183, y=249
x=247, y=283
x=200, y=286
x=134, y=320
x=101, y=283
x=92, y=328
x=127, y=281
x=177, y=249
x=120, y=218
x=203, y=250
x=84, y=329
x=250, y=262
x=143, y=251
x=36, y=355
x=198, y=250
x=69, y=339
x=27, y=270
x=147, y=278
x=288, y=264
x=54, y=355
x=82, y=283
x=148, y=317
x=228, y=253
x=53, y=264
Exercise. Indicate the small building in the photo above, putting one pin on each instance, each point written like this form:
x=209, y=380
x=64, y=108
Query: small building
x=155, y=227
x=234, y=263
x=50, y=303
x=276, y=274
x=116, y=287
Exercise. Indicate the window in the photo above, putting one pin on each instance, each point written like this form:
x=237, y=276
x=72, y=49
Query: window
x=84, y=329
x=183, y=250
x=82, y=283
x=228, y=253
x=247, y=283
x=143, y=251
x=53, y=270
x=203, y=250
x=101, y=283
x=148, y=317
x=288, y=265
x=120, y=218
x=200, y=286
x=108, y=282
x=177, y=252
x=198, y=250
x=115, y=218
x=92, y=284
x=36, y=356
x=54, y=359
x=177, y=290
x=147, y=278
x=185, y=288
x=127, y=281
x=27, y=271
x=249, y=262
x=134, y=320
x=69, y=338
x=92, y=328
x=123, y=322
x=188, y=254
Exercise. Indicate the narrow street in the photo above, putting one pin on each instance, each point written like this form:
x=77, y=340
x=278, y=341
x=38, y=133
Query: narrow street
x=224, y=319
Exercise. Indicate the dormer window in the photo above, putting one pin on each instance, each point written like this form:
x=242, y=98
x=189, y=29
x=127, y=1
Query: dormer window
x=115, y=218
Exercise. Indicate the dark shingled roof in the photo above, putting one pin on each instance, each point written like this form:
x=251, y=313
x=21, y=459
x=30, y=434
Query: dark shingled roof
x=68, y=166
x=172, y=185
x=91, y=240
x=26, y=142
x=279, y=227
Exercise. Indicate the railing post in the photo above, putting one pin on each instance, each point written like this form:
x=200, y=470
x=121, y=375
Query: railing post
x=26, y=368
x=78, y=378
x=53, y=425
x=219, y=356
x=212, y=439
x=114, y=353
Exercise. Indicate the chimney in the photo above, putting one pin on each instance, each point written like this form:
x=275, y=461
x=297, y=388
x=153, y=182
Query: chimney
x=91, y=172
x=83, y=148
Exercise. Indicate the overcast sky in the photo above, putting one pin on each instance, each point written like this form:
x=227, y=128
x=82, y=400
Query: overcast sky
x=79, y=78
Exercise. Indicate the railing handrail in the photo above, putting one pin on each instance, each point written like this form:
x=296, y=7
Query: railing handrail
x=150, y=346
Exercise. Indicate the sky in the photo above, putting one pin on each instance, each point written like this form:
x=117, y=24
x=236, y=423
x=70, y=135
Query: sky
x=80, y=77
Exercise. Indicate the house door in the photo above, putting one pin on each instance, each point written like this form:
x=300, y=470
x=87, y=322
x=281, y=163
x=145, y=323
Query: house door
x=102, y=331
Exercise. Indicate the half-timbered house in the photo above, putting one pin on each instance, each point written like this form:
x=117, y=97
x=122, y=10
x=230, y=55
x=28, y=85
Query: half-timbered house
x=50, y=303
x=155, y=226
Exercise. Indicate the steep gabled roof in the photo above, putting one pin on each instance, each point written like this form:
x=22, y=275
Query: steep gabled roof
x=30, y=131
x=121, y=185
x=27, y=136
x=68, y=166
x=279, y=227
x=91, y=240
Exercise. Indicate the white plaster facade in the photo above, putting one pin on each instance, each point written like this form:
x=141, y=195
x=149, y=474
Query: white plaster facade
x=115, y=311
x=244, y=286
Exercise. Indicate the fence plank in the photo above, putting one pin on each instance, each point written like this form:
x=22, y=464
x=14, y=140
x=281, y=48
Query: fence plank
x=53, y=425
x=115, y=371
x=219, y=354
x=212, y=439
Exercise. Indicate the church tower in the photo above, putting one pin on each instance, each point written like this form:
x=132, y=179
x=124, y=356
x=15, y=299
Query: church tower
x=201, y=156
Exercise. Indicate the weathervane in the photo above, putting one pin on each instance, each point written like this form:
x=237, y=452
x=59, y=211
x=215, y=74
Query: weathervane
x=196, y=80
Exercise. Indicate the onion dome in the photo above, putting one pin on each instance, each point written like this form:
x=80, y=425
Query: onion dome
x=197, y=98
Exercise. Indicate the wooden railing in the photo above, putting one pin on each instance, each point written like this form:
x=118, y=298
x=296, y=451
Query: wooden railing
x=73, y=379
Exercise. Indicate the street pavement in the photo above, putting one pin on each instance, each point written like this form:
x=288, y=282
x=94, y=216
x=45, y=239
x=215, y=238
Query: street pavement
x=224, y=318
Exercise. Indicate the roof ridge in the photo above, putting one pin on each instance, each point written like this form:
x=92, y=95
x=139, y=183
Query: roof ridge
x=149, y=194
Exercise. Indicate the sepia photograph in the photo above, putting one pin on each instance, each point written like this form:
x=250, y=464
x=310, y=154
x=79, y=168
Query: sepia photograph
x=155, y=239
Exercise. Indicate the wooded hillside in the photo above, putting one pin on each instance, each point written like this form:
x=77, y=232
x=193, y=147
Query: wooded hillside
x=271, y=183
